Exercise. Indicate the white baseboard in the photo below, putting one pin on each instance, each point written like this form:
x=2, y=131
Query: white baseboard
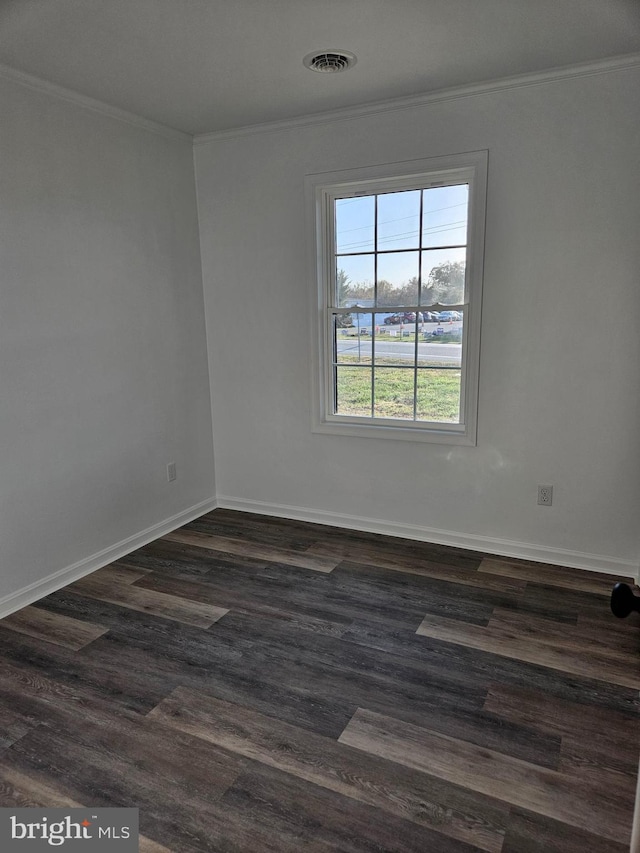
x=502, y=547
x=623, y=569
x=28, y=594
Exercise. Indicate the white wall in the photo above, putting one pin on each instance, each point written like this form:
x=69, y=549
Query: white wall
x=559, y=396
x=103, y=367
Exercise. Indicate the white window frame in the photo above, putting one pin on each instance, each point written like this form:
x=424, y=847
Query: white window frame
x=321, y=192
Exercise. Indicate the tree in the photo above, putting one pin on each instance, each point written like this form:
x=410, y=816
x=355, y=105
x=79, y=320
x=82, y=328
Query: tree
x=343, y=288
x=343, y=293
x=387, y=294
x=408, y=293
x=361, y=291
x=445, y=284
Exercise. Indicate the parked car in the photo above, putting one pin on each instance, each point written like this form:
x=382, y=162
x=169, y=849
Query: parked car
x=402, y=317
x=449, y=316
x=431, y=316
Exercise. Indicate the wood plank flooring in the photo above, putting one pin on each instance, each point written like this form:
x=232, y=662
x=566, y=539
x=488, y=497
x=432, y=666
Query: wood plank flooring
x=257, y=684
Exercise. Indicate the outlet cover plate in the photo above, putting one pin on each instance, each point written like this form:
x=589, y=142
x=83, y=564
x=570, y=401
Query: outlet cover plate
x=545, y=495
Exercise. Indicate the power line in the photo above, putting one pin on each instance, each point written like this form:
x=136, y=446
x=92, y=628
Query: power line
x=430, y=232
x=400, y=219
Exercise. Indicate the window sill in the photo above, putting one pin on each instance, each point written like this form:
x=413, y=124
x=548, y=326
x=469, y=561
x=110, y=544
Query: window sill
x=432, y=434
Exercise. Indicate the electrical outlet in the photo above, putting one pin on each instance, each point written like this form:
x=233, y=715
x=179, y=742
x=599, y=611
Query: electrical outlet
x=545, y=495
x=171, y=472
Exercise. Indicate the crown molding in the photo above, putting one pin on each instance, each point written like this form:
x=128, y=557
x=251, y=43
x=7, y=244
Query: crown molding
x=88, y=103
x=585, y=69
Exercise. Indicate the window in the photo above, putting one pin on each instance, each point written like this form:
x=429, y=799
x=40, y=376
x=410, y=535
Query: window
x=397, y=263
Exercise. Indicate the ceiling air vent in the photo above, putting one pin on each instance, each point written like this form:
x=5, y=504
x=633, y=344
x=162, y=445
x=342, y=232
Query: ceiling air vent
x=329, y=61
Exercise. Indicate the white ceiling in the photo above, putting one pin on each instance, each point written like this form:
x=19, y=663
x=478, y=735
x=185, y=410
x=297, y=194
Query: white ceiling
x=206, y=65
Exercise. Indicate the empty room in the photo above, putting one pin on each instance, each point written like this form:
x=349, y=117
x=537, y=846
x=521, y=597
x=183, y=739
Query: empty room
x=319, y=417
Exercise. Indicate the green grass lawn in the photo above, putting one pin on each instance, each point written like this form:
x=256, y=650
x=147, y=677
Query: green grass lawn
x=437, y=392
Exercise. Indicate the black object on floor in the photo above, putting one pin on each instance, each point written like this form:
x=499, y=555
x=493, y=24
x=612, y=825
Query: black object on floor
x=623, y=601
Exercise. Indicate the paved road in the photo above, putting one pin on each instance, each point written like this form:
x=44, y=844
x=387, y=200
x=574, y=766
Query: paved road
x=402, y=351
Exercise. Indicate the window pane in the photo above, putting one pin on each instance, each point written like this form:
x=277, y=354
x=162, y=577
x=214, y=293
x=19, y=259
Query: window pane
x=353, y=391
x=354, y=224
x=399, y=220
x=393, y=392
x=444, y=216
x=363, y=322
x=441, y=342
x=380, y=318
x=395, y=339
x=443, y=276
x=352, y=338
x=438, y=395
x=354, y=280
x=398, y=279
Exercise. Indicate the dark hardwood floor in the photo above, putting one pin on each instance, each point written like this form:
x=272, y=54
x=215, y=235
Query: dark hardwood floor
x=257, y=684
